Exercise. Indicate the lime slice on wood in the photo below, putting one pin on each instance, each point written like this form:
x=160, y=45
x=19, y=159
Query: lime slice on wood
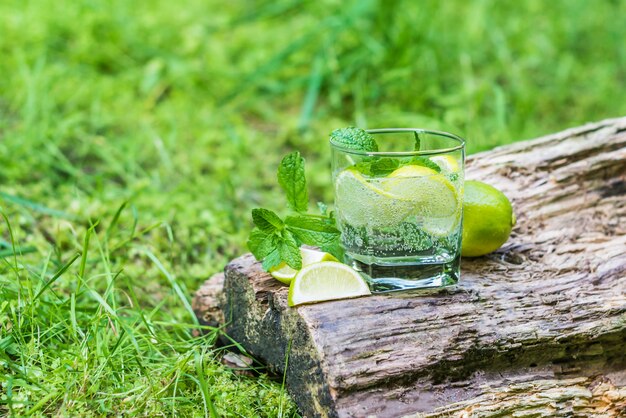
x=285, y=274
x=328, y=280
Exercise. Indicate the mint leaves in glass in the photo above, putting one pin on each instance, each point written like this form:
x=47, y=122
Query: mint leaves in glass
x=398, y=205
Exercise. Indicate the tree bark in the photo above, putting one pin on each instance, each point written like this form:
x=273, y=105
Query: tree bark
x=536, y=329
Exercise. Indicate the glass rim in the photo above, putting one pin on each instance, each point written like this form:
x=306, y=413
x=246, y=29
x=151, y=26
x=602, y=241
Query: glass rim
x=458, y=139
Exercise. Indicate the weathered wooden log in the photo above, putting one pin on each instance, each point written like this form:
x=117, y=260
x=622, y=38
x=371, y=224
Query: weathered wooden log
x=537, y=328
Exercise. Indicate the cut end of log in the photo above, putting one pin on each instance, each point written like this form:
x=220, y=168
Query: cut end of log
x=208, y=300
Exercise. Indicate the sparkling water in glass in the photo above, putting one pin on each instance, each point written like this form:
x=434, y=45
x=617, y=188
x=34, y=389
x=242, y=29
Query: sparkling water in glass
x=400, y=209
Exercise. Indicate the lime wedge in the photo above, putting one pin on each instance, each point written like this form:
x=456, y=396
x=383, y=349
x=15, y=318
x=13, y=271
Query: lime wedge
x=362, y=203
x=285, y=274
x=447, y=163
x=436, y=203
x=328, y=280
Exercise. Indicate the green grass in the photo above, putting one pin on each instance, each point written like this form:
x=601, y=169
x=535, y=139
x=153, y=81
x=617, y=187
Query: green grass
x=135, y=138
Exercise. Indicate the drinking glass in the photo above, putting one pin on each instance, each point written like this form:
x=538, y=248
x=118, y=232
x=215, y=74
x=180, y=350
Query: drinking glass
x=400, y=209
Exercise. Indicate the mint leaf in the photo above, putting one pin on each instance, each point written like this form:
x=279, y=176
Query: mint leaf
x=425, y=162
x=384, y=166
x=379, y=167
x=354, y=138
x=260, y=243
x=317, y=232
x=271, y=260
x=266, y=220
x=310, y=228
x=335, y=248
x=289, y=250
x=293, y=181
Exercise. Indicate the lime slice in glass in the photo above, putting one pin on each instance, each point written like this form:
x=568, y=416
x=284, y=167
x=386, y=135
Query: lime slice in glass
x=360, y=202
x=436, y=202
x=285, y=274
x=328, y=280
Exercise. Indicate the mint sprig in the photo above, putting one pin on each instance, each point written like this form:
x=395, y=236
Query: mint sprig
x=274, y=240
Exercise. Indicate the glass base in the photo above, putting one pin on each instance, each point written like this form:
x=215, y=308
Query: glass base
x=405, y=273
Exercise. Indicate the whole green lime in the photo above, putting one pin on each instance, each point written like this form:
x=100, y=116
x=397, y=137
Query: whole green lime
x=487, y=219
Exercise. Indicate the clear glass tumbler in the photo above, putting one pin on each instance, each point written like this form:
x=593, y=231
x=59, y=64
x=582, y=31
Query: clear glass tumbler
x=400, y=209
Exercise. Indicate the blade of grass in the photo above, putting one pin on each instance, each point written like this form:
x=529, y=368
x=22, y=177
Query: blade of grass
x=315, y=83
x=83, y=260
x=58, y=274
x=42, y=402
x=115, y=220
x=133, y=236
x=75, y=328
x=174, y=284
x=209, y=407
x=12, y=237
x=271, y=65
x=37, y=207
x=17, y=251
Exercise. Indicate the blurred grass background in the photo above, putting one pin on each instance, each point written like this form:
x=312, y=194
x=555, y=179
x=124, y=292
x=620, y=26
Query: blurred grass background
x=136, y=136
